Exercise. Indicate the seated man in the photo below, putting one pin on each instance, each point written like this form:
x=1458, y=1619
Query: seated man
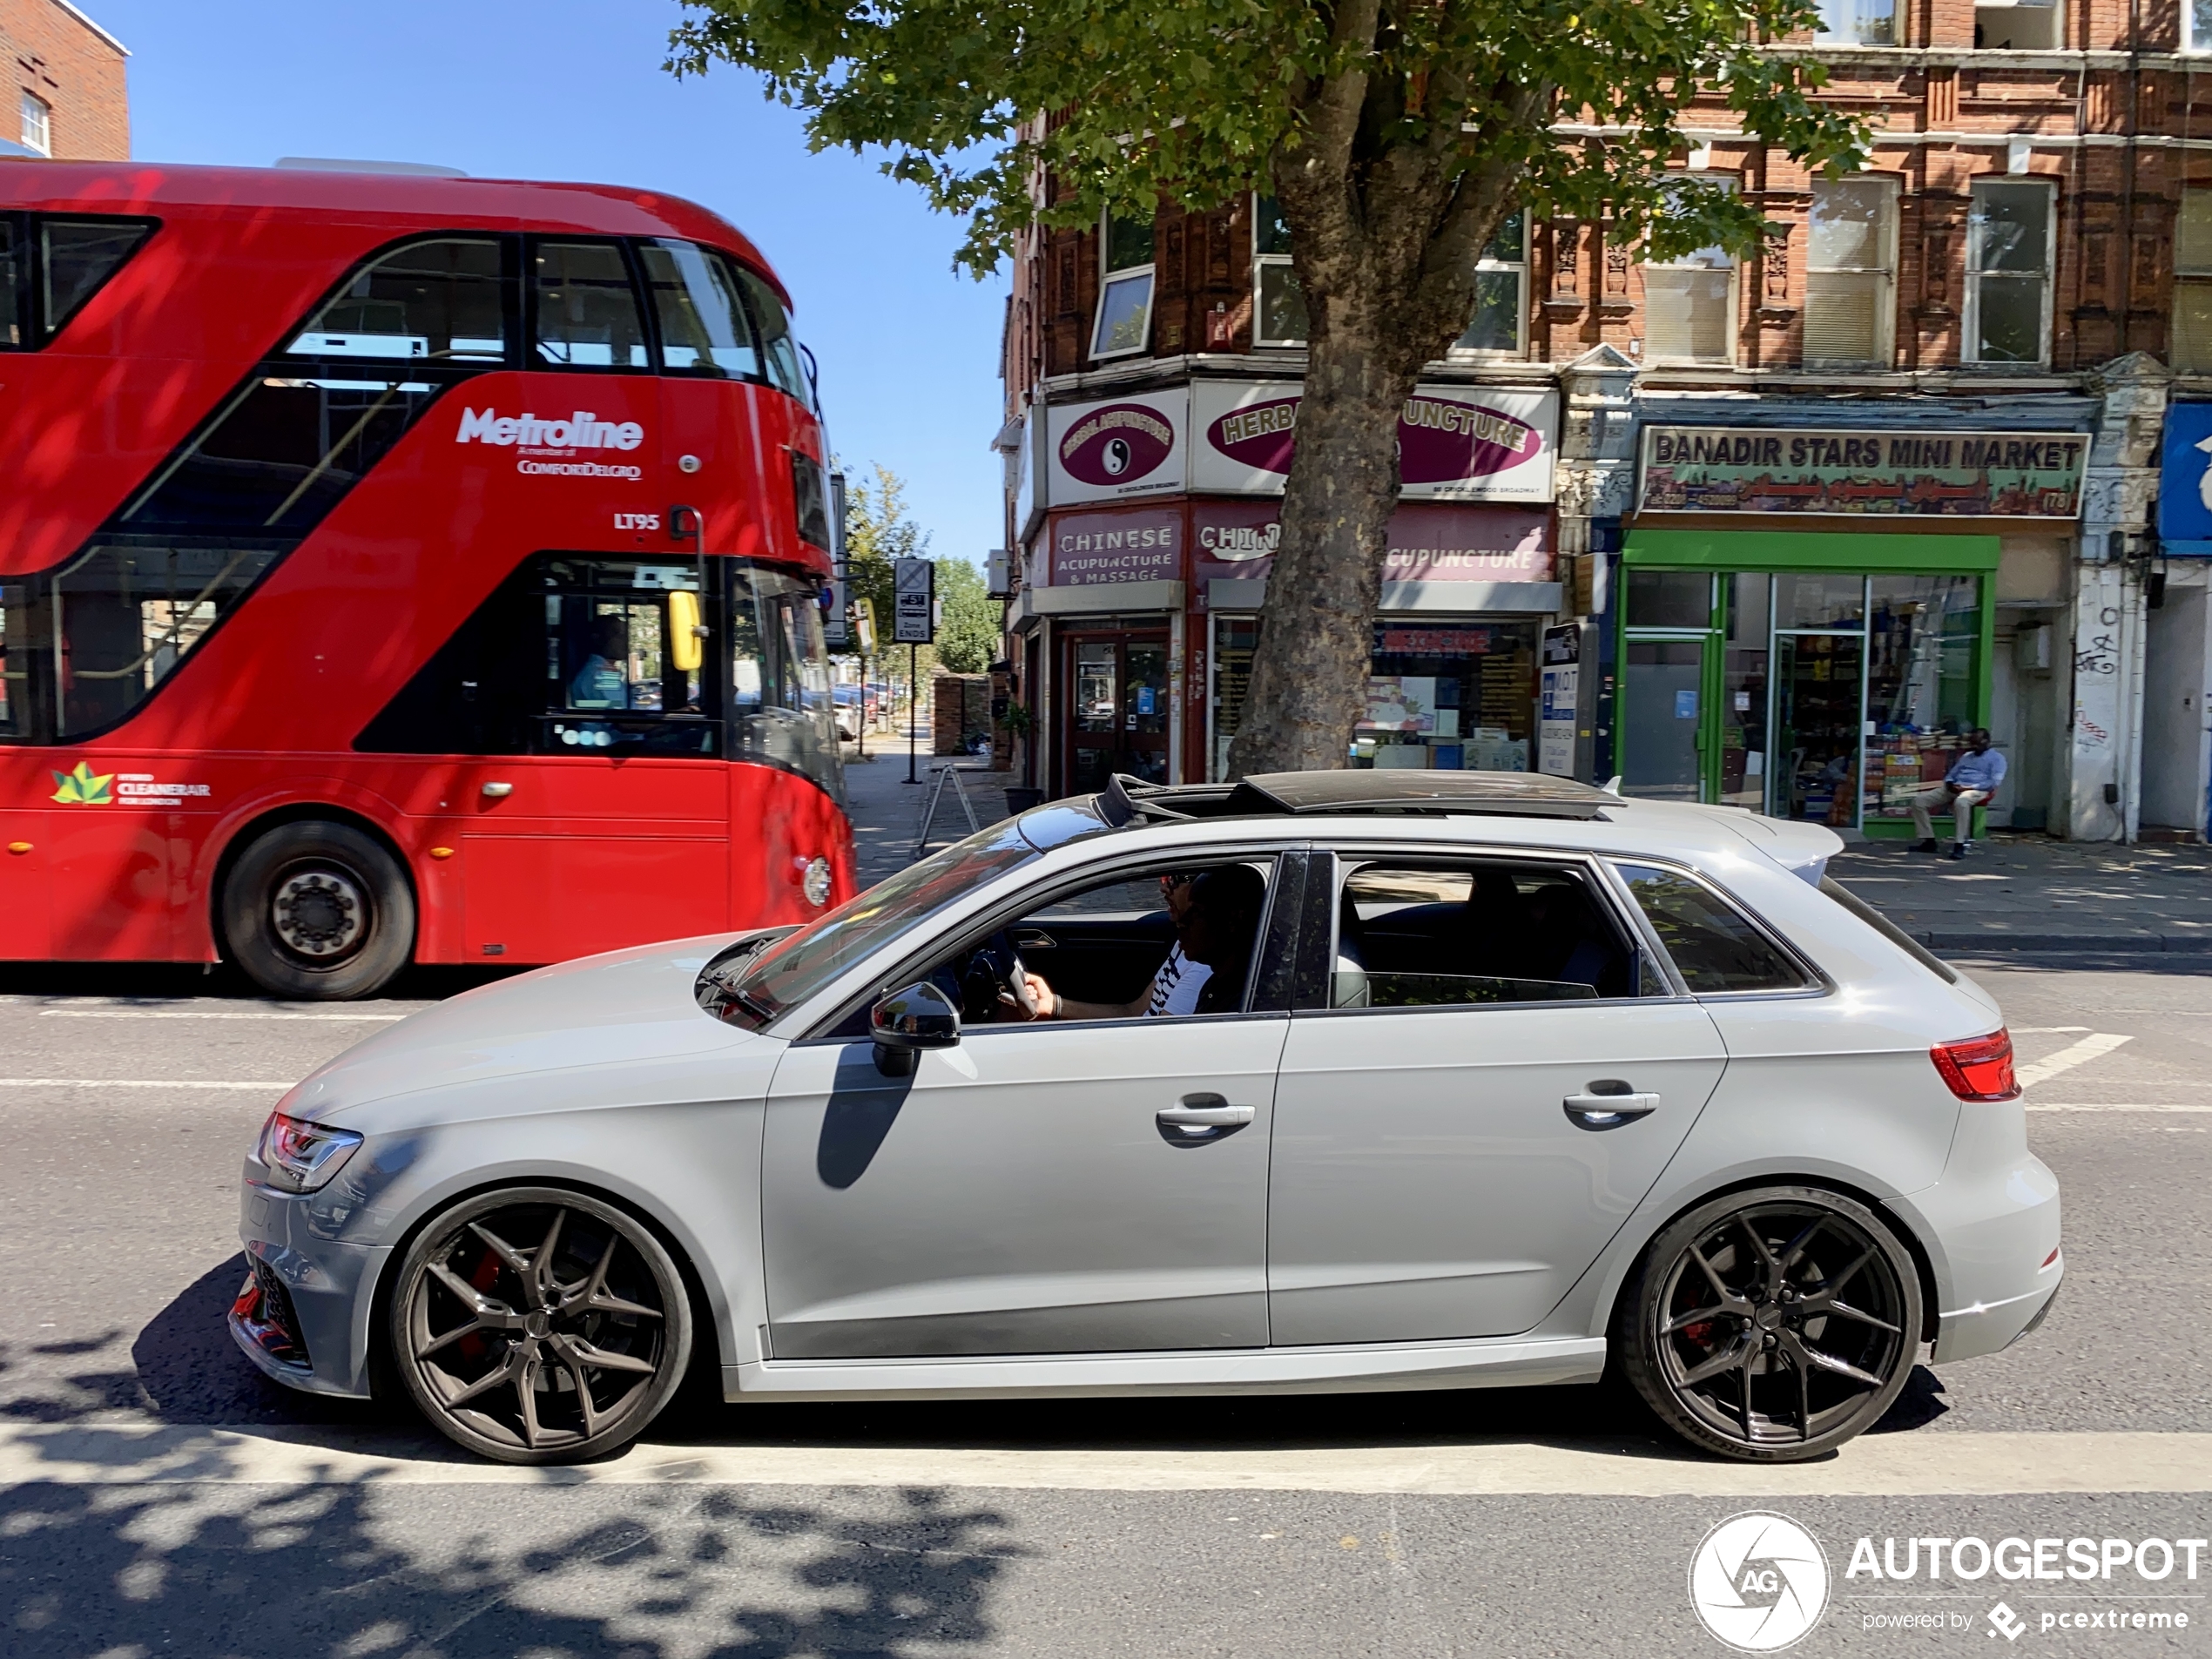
x=1215, y=915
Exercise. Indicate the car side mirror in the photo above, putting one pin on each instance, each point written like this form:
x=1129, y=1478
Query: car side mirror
x=906, y=1022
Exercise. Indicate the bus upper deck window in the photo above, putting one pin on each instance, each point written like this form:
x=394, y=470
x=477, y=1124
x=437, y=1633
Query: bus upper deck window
x=778, y=344
x=587, y=311
x=704, y=329
x=436, y=301
x=79, y=255
x=11, y=294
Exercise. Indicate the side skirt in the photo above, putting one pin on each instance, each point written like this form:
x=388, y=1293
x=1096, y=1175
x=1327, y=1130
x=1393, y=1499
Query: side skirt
x=1499, y=1362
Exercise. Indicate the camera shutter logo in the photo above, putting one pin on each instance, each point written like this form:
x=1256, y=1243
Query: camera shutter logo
x=1759, y=1582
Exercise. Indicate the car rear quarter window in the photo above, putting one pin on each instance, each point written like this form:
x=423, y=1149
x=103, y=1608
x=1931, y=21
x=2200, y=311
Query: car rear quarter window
x=1714, y=946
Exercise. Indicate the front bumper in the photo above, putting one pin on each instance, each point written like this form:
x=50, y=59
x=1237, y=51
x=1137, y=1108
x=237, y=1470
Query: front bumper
x=303, y=1315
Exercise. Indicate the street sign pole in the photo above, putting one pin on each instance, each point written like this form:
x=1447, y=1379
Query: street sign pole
x=913, y=584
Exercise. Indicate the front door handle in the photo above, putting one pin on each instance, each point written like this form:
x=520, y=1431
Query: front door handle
x=1608, y=1110
x=1199, y=1119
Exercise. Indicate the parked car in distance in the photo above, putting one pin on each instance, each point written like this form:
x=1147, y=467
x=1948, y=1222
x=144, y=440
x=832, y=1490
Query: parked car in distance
x=1370, y=1079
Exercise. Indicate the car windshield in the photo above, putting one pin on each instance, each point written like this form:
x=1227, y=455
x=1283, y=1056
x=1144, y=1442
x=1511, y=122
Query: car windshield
x=797, y=966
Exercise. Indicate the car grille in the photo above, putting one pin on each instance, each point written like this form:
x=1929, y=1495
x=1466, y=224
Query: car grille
x=265, y=1315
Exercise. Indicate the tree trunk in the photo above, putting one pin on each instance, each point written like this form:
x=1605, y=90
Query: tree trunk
x=1309, y=685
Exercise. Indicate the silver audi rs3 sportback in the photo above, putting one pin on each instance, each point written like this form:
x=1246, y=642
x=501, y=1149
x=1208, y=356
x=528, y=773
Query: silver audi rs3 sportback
x=1321, y=1081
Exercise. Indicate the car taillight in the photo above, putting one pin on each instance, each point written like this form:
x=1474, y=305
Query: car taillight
x=1979, y=1068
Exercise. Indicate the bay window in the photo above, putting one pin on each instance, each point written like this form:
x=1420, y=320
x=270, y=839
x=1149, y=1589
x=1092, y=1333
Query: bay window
x=1278, y=309
x=1689, y=305
x=1124, y=324
x=1851, y=272
x=2192, y=351
x=2008, y=272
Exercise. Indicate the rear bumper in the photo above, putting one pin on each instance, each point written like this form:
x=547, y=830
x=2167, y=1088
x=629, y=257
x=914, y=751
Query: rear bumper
x=1992, y=1238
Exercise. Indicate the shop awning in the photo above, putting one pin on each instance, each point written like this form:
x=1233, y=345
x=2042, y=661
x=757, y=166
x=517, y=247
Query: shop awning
x=1852, y=551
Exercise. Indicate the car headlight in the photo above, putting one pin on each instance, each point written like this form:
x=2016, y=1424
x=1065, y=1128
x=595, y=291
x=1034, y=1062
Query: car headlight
x=302, y=1156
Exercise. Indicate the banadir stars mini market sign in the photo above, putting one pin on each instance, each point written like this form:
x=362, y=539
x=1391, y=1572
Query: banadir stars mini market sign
x=1904, y=475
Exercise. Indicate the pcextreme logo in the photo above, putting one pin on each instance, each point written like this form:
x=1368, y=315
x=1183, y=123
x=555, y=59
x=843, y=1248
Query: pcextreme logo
x=82, y=788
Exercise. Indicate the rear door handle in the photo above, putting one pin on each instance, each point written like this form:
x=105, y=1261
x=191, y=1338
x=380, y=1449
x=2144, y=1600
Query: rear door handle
x=1201, y=1118
x=1608, y=1111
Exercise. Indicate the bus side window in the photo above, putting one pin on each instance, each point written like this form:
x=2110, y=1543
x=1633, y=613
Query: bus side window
x=15, y=660
x=703, y=325
x=435, y=301
x=586, y=310
x=128, y=615
x=12, y=296
x=77, y=258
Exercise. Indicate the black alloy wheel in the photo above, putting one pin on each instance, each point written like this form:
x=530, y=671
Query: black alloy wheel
x=1774, y=1325
x=317, y=910
x=538, y=1326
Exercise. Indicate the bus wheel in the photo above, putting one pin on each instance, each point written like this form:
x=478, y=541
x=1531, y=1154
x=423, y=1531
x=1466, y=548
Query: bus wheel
x=317, y=910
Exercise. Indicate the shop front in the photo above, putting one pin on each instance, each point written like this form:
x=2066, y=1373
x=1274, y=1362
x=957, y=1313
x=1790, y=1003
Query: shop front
x=1807, y=618
x=1452, y=669
x=1144, y=581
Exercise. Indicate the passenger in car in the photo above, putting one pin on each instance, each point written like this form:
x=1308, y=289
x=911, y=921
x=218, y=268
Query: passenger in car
x=1217, y=919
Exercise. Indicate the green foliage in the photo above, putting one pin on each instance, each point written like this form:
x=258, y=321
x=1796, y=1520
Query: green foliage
x=878, y=533
x=1574, y=106
x=969, y=628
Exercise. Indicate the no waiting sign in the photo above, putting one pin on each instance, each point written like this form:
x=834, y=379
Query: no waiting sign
x=913, y=591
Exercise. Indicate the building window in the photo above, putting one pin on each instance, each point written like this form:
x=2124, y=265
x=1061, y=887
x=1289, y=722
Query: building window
x=1858, y=22
x=2197, y=26
x=2019, y=25
x=2193, y=283
x=2008, y=272
x=1278, y=309
x=1124, y=325
x=1851, y=276
x=37, y=124
x=1689, y=306
x=1500, y=292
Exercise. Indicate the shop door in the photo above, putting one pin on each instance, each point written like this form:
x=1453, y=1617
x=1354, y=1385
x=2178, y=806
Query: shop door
x=1116, y=710
x=1819, y=727
x=1664, y=717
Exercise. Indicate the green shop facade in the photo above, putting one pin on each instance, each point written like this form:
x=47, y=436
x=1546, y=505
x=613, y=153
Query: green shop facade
x=1807, y=618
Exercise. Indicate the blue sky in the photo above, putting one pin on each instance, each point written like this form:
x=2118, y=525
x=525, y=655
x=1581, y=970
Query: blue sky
x=573, y=89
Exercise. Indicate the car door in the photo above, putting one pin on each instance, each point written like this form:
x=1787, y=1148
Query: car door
x=1489, y=1075
x=1061, y=1187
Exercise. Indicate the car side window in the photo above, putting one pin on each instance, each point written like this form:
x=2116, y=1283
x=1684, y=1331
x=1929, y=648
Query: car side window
x=1443, y=933
x=1156, y=943
x=1714, y=947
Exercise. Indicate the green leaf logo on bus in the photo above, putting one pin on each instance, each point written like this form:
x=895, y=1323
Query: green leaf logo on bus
x=81, y=788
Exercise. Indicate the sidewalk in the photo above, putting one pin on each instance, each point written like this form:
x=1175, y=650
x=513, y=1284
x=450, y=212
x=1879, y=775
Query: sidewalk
x=2012, y=892
x=886, y=810
x=2028, y=893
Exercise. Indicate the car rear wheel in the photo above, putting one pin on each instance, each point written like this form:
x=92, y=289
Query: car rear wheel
x=536, y=1325
x=1773, y=1324
x=320, y=911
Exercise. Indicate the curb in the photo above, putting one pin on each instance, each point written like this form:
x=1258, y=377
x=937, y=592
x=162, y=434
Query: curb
x=2132, y=944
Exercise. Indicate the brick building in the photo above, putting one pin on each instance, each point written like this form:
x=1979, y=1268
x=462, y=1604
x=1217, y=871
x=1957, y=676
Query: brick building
x=1776, y=532
x=69, y=100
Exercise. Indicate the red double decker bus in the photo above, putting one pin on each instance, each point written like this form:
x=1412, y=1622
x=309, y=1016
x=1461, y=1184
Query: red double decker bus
x=401, y=569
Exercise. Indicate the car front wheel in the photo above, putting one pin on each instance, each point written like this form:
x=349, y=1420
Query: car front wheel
x=1773, y=1324
x=533, y=1325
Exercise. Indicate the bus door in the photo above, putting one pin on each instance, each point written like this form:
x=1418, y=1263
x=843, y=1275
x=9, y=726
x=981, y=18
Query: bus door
x=612, y=826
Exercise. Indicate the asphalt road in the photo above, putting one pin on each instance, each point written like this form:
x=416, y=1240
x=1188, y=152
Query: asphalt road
x=1519, y=1522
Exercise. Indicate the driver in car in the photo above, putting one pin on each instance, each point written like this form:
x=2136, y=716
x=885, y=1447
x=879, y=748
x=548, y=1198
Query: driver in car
x=1216, y=914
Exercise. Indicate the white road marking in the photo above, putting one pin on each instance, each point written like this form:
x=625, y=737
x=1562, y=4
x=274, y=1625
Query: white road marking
x=2037, y=1106
x=2031, y=1030
x=223, y=1014
x=140, y=1082
x=2074, y=1054
x=1878, y=1465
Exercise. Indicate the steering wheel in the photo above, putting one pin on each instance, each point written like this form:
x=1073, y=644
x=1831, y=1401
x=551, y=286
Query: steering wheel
x=993, y=967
